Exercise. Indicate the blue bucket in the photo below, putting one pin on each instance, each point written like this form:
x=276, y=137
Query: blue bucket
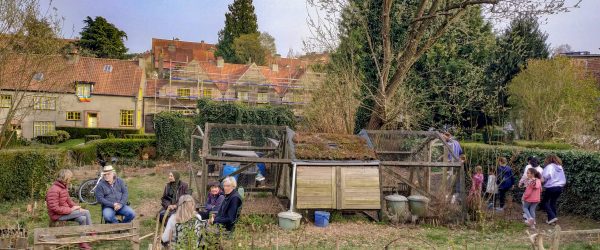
x=262, y=169
x=321, y=218
x=228, y=169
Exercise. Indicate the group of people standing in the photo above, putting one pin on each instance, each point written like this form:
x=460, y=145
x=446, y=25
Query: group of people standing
x=221, y=209
x=542, y=186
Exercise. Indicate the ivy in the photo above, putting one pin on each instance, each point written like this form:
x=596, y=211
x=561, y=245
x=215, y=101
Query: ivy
x=237, y=113
x=171, y=133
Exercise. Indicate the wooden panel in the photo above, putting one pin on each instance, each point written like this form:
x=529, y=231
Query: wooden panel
x=315, y=187
x=360, y=188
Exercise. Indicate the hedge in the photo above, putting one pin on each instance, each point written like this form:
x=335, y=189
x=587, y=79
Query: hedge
x=542, y=145
x=79, y=133
x=106, y=148
x=582, y=168
x=171, y=136
x=27, y=173
x=238, y=113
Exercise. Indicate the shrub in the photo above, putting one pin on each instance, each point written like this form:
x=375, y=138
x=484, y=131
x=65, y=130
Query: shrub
x=236, y=113
x=477, y=137
x=62, y=135
x=27, y=173
x=122, y=148
x=582, y=168
x=51, y=138
x=140, y=136
x=543, y=145
x=89, y=138
x=170, y=133
x=84, y=154
x=77, y=132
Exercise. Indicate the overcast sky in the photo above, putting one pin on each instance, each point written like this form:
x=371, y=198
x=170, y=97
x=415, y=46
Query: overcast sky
x=196, y=20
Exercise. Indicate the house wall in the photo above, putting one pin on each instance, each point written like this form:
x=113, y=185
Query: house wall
x=107, y=108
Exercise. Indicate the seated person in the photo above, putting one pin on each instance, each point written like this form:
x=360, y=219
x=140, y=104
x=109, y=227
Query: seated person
x=174, y=189
x=213, y=201
x=61, y=207
x=185, y=219
x=230, y=208
x=112, y=194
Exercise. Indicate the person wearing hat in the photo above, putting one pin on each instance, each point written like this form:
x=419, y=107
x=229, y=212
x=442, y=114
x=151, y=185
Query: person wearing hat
x=112, y=195
x=174, y=189
x=213, y=201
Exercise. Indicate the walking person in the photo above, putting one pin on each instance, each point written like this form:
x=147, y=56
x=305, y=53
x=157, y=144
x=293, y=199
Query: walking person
x=62, y=208
x=554, y=181
x=504, y=181
x=532, y=195
x=112, y=194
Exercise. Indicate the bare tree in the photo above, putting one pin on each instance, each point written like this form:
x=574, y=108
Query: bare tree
x=430, y=21
x=29, y=48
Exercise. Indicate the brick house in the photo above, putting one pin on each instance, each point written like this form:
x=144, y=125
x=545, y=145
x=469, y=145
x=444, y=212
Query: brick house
x=74, y=91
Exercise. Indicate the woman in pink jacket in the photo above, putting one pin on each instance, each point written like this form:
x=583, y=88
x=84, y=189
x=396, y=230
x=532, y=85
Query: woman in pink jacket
x=531, y=197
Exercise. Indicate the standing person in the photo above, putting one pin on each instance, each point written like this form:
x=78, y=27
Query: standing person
x=231, y=206
x=491, y=189
x=505, y=181
x=112, y=194
x=455, y=148
x=532, y=195
x=554, y=181
x=174, y=189
x=184, y=219
x=213, y=201
x=62, y=208
x=476, y=187
x=532, y=163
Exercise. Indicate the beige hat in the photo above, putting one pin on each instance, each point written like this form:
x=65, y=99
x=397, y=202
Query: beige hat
x=107, y=168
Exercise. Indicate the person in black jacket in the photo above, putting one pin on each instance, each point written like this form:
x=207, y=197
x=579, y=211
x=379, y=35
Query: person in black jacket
x=174, y=189
x=230, y=208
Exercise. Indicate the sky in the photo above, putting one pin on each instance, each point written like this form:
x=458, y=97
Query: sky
x=196, y=20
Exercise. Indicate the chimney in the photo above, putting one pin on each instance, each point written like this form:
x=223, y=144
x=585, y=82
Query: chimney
x=220, y=62
x=73, y=55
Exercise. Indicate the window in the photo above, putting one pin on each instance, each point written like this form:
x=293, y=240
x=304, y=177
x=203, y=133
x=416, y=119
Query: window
x=262, y=98
x=186, y=111
x=42, y=128
x=243, y=96
x=73, y=116
x=44, y=103
x=126, y=118
x=108, y=68
x=38, y=76
x=297, y=98
x=84, y=90
x=5, y=101
x=184, y=93
x=208, y=92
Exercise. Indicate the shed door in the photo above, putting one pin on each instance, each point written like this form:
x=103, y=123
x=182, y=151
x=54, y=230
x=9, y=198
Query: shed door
x=315, y=187
x=359, y=188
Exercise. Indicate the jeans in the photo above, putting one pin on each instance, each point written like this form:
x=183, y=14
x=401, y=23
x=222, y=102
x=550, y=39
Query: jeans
x=109, y=214
x=529, y=209
x=551, y=195
x=501, y=196
x=82, y=217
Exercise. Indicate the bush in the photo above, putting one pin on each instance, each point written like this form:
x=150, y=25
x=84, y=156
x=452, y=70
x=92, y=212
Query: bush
x=106, y=148
x=170, y=133
x=582, y=168
x=543, y=145
x=84, y=154
x=28, y=173
x=237, y=113
x=49, y=138
x=477, y=137
x=89, y=138
x=78, y=133
x=62, y=135
x=140, y=136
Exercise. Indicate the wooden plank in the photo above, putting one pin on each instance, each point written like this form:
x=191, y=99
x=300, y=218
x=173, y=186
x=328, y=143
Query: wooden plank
x=393, y=152
x=339, y=183
x=265, y=127
x=252, y=148
x=359, y=186
x=420, y=164
x=80, y=239
x=247, y=159
x=76, y=230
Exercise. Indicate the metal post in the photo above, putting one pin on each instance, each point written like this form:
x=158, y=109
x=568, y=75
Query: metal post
x=292, y=197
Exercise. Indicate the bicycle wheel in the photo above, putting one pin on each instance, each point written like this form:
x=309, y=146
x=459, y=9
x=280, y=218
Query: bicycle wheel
x=86, y=195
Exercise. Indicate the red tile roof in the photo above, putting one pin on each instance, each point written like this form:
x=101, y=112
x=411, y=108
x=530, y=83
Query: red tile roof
x=223, y=76
x=184, y=51
x=60, y=74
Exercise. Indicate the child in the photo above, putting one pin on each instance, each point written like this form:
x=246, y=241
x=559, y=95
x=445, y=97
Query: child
x=491, y=187
x=476, y=185
x=504, y=180
x=213, y=201
x=531, y=197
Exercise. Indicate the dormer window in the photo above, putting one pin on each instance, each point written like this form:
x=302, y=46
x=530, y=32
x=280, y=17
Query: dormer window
x=83, y=90
x=38, y=76
x=108, y=68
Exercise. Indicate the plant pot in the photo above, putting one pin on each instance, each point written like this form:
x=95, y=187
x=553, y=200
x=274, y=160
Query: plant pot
x=289, y=220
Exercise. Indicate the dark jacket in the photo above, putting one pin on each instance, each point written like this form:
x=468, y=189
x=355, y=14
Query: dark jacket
x=228, y=212
x=171, y=198
x=213, y=202
x=505, y=179
x=108, y=195
x=58, y=201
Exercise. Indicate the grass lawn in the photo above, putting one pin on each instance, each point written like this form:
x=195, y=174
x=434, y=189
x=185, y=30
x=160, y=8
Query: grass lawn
x=347, y=232
x=70, y=143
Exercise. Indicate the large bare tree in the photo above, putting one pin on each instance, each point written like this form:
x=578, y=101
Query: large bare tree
x=430, y=21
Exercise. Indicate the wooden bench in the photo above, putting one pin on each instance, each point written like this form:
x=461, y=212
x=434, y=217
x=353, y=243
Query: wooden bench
x=60, y=236
x=13, y=238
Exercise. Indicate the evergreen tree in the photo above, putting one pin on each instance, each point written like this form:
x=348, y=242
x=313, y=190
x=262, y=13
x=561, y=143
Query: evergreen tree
x=240, y=20
x=102, y=39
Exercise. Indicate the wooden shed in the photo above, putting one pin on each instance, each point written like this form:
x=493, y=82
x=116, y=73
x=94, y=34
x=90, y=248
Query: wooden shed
x=334, y=171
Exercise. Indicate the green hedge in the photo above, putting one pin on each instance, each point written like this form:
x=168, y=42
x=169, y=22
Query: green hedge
x=140, y=136
x=237, y=113
x=106, y=148
x=78, y=133
x=582, y=168
x=171, y=136
x=28, y=173
x=542, y=145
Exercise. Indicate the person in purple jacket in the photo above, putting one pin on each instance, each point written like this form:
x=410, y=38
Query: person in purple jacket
x=213, y=201
x=505, y=181
x=554, y=181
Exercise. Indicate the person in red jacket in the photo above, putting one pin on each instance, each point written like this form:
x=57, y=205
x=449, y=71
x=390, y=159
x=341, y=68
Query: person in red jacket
x=531, y=197
x=61, y=207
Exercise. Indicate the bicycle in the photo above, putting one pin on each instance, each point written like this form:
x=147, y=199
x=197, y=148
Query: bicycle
x=86, y=189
